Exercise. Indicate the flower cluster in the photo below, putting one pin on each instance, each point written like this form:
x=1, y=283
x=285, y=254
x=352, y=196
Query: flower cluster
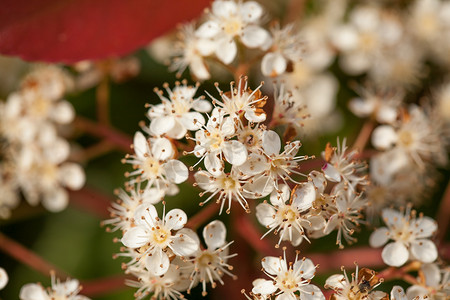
x=35, y=155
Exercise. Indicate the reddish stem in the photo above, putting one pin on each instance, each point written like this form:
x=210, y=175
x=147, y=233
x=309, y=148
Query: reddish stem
x=121, y=140
x=443, y=214
x=202, y=216
x=28, y=257
x=364, y=135
x=103, y=286
x=91, y=201
x=245, y=227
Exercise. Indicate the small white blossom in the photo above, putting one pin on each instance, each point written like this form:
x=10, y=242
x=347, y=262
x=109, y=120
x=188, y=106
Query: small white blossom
x=3, y=278
x=229, y=20
x=288, y=279
x=59, y=290
x=152, y=236
x=410, y=237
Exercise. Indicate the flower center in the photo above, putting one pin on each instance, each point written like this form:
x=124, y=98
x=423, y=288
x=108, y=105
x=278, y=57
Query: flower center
x=287, y=282
x=215, y=141
x=288, y=214
x=367, y=41
x=40, y=107
x=151, y=167
x=405, y=138
x=160, y=236
x=229, y=184
x=206, y=259
x=232, y=26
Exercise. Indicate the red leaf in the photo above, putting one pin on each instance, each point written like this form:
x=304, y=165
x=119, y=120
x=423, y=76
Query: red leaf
x=73, y=30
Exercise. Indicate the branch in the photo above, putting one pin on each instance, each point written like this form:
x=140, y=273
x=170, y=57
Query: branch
x=443, y=214
x=91, y=201
x=121, y=140
x=364, y=135
x=202, y=216
x=28, y=257
x=103, y=286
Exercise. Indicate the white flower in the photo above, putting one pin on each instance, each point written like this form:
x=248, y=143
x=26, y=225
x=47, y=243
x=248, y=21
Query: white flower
x=229, y=20
x=229, y=187
x=59, y=290
x=44, y=174
x=398, y=293
x=173, y=117
x=153, y=162
x=3, y=278
x=286, y=49
x=214, y=140
x=211, y=264
x=271, y=165
x=434, y=283
x=347, y=217
x=190, y=52
x=151, y=237
x=288, y=279
x=161, y=287
x=414, y=139
x=343, y=167
x=360, y=286
x=410, y=237
x=241, y=100
x=122, y=211
x=287, y=219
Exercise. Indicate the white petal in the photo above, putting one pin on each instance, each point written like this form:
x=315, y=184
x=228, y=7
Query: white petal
x=139, y=144
x=273, y=64
x=227, y=127
x=386, y=114
x=235, y=152
x=135, y=237
x=306, y=267
x=345, y=38
x=331, y=173
x=311, y=292
x=176, y=171
x=161, y=125
x=226, y=51
x=286, y=296
x=158, y=263
x=178, y=131
x=265, y=214
x=162, y=148
x=56, y=200
x=203, y=179
x=335, y=282
x=424, y=227
x=198, y=68
x=272, y=265
x=254, y=36
x=32, y=291
x=395, y=254
x=424, y=250
x=208, y=30
x=72, y=175
x=417, y=292
x=145, y=215
x=213, y=164
x=332, y=223
x=384, y=137
x=319, y=180
x=280, y=196
x=379, y=237
x=202, y=106
x=303, y=196
x=185, y=243
x=175, y=219
x=255, y=164
x=271, y=142
x=224, y=9
x=251, y=11
x=3, y=278
x=251, y=116
x=215, y=234
x=258, y=188
x=432, y=274
x=263, y=287
x=392, y=217
x=192, y=120
x=397, y=293
x=361, y=107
